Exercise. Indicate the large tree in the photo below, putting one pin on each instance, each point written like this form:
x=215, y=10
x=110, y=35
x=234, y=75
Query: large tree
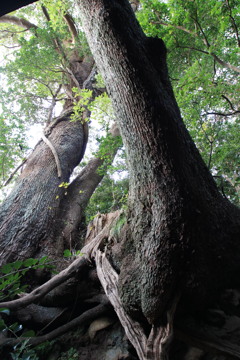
x=179, y=247
x=182, y=233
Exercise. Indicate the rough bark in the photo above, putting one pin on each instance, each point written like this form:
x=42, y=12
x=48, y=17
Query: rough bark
x=215, y=333
x=183, y=234
x=31, y=210
x=52, y=213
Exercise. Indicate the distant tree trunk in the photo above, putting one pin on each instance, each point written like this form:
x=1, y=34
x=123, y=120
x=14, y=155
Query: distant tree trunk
x=183, y=235
x=30, y=213
x=79, y=192
x=39, y=217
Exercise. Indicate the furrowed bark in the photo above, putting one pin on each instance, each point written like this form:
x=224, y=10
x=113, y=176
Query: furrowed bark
x=174, y=202
x=183, y=235
x=30, y=212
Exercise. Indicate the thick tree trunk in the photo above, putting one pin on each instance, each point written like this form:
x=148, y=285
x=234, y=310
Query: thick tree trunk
x=183, y=236
x=30, y=213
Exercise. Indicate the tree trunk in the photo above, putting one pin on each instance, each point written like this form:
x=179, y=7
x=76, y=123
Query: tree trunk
x=183, y=235
x=79, y=192
x=30, y=213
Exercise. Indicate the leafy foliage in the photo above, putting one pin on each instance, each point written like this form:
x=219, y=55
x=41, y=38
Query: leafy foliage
x=203, y=42
x=109, y=196
x=11, y=275
x=12, y=283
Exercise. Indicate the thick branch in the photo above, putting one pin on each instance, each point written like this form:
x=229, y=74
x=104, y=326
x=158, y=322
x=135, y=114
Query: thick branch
x=14, y=20
x=82, y=188
x=72, y=28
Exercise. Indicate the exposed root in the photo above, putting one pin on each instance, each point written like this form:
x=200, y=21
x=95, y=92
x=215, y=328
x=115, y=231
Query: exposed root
x=155, y=347
x=84, y=318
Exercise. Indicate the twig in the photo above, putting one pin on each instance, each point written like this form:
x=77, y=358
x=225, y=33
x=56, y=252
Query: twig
x=14, y=172
x=229, y=101
x=234, y=23
x=205, y=41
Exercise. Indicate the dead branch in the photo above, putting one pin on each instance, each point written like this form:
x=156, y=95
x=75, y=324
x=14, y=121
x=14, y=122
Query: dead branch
x=14, y=172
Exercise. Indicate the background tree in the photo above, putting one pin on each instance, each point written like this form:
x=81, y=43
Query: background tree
x=63, y=68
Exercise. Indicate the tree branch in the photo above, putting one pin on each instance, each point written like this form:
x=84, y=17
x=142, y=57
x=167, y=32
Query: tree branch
x=205, y=41
x=53, y=103
x=14, y=172
x=161, y=22
x=13, y=20
x=222, y=114
x=229, y=101
x=233, y=22
x=74, y=269
x=71, y=26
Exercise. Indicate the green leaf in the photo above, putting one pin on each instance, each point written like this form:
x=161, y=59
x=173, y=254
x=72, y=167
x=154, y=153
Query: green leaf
x=30, y=262
x=67, y=253
x=5, y=311
x=6, y=269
